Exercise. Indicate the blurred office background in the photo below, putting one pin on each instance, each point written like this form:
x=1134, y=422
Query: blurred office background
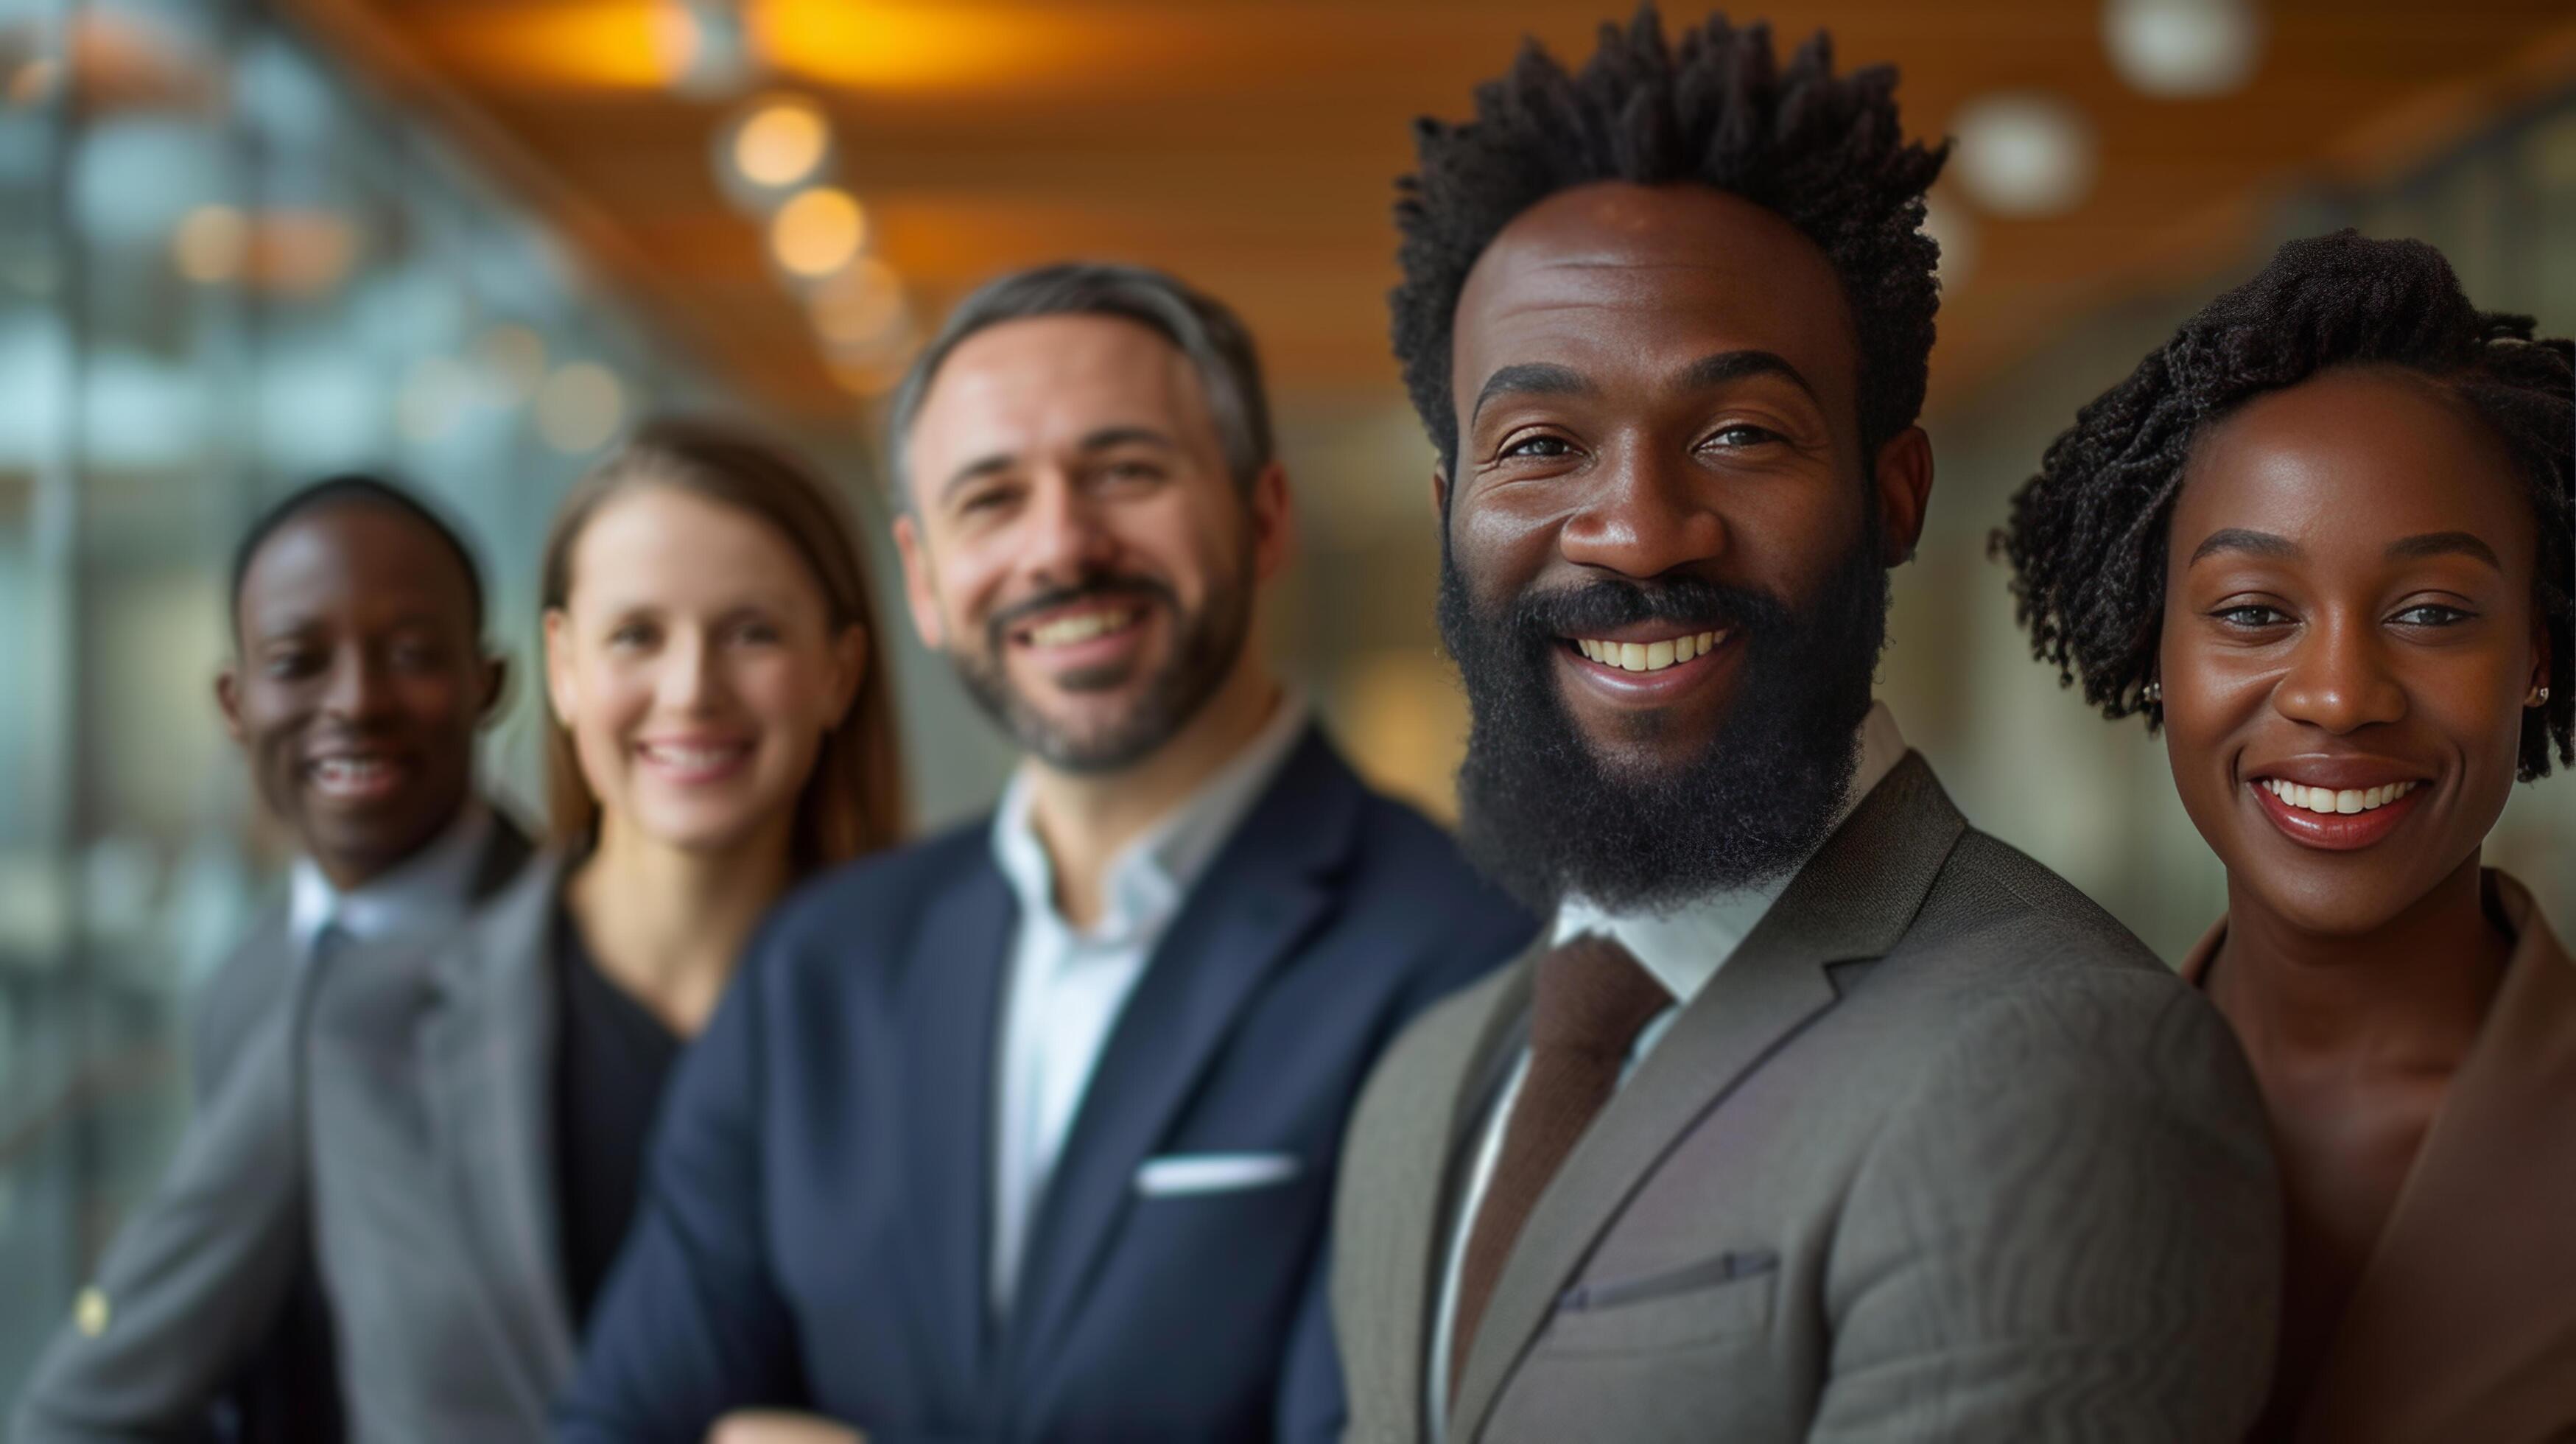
x=243, y=244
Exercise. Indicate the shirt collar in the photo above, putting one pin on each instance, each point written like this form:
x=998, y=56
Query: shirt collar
x=428, y=889
x=1683, y=946
x=1152, y=875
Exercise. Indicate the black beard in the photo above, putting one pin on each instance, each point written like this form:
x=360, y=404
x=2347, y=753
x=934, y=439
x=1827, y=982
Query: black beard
x=1547, y=817
x=1210, y=642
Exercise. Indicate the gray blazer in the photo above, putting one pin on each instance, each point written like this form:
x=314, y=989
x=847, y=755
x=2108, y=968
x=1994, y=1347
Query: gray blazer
x=1941, y=1154
x=450, y=1292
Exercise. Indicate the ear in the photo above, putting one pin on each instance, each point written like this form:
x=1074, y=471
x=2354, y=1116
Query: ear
x=920, y=589
x=1274, y=522
x=228, y=702
x=563, y=696
x=1903, y=483
x=496, y=688
x=850, y=658
x=1439, y=490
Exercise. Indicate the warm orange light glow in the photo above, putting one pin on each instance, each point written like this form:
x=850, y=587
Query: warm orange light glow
x=817, y=231
x=611, y=44
x=862, y=307
x=780, y=142
x=916, y=45
x=211, y=244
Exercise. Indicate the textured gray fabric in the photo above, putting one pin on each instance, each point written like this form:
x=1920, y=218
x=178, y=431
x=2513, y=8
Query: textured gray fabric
x=1942, y=1154
x=196, y=1279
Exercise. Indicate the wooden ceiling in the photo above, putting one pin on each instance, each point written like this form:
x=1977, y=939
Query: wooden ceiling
x=1250, y=145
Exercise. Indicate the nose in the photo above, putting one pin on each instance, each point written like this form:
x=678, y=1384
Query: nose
x=1065, y=536
x=1647, y=516
x=2339, y=680
x=688, y=678
x=360, y=686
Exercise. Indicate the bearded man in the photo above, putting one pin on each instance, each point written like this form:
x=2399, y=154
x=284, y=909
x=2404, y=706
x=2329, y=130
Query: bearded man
x=1029, y=1131
x=1816, y=1114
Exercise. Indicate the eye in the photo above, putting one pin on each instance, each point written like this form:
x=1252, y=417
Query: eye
x=1540, y=448
x=2252, y=616
x=629, y=635
x=417, y=656
x=299, y=662
x=1131, y=469
x=1738, y=435
x=2432, y=614
x=755, y=633
x=989, y=499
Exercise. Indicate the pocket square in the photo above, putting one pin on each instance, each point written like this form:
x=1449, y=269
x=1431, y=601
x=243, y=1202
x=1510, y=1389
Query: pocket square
x=1175, y=1174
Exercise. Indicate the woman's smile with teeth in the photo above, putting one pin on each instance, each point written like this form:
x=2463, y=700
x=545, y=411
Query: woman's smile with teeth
x=2330, y=799
x=1649, y=656
x=1081, y=626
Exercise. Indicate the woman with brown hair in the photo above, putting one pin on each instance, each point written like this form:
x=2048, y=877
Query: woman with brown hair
x=723, y=729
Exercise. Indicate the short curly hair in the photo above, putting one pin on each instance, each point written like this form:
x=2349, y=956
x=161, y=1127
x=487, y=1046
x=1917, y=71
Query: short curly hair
x=1822, y=151
x=2087, y=535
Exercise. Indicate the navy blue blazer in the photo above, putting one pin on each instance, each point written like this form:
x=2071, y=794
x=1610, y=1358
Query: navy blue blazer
x=815, y=1230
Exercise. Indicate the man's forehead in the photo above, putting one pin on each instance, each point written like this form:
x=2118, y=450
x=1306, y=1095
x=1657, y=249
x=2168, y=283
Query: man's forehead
x=1682, y=266
x=367, y=557
x=1030, y=368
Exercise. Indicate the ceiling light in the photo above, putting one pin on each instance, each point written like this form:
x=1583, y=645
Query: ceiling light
x=863, y=306
x=2183, y=49
x=432, y=398
x=513, y=359
x=703, y=48
x=2024, y=155
x=579, y=407
x=818, y=231
x=211, y=244
x=779, y=142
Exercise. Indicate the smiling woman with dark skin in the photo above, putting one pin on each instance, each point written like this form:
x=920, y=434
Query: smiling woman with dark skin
x=2322, y=539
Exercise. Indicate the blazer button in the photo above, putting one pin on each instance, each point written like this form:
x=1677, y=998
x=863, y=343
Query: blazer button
x=89, y=1312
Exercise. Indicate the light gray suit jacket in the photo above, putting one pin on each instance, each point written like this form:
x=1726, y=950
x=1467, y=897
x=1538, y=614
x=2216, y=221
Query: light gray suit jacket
x=445, y=1288
x=1941, y=1154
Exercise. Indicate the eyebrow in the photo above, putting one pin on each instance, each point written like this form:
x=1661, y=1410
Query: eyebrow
x=1721, y=367
x=2238, y=539
x=1100, y=440
x=2443, y=543
x=1715, y=369
x=1530, y=378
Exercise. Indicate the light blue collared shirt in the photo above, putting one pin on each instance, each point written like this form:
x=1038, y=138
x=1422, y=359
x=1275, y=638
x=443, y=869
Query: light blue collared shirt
x=1066, y=987
x=429, y=890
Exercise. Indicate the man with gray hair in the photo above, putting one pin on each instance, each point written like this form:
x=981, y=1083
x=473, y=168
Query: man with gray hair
x=1028, y=1131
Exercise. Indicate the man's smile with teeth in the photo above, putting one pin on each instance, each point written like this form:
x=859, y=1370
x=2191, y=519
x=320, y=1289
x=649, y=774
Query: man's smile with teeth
x=1649, y=656
x=2330, y=799
x=1064, y=631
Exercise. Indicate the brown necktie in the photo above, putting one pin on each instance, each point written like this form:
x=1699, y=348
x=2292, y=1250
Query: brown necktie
x=1593, y=999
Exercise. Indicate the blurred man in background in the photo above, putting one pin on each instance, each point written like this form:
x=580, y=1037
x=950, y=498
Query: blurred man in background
x=358, y=683
x=1029, y=1131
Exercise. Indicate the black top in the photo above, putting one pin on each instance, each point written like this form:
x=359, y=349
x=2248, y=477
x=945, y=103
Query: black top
x=611, y=1058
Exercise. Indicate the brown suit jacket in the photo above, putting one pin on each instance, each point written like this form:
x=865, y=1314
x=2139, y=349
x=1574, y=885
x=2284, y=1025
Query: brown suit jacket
x=1943, y=1155
x=2464, y=1324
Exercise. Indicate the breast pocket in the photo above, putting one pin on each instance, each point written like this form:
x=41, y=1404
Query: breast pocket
x=1669, y=1309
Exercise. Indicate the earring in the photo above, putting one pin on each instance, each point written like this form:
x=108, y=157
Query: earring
x=2538, y=696
x=2153, y=693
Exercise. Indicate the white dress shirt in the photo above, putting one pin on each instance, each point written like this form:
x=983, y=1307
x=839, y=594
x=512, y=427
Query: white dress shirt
x=1682, y=947
x=1066, y=986
x=427, y=891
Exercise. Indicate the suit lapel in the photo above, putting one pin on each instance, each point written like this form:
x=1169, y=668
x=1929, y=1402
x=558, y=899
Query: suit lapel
x=488, y=1058
x=1411, y=1201
x=1262, y=896
x=952, y=1008
x=2463, y=1306
x=1853, y=900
